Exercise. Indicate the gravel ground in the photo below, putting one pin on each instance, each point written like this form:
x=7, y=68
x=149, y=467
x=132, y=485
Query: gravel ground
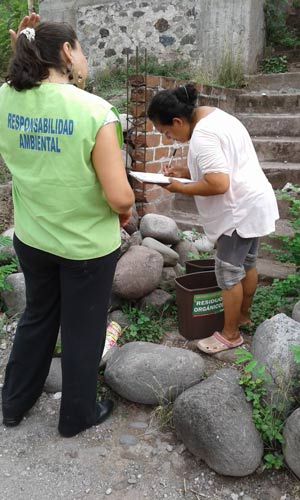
x=128, y=457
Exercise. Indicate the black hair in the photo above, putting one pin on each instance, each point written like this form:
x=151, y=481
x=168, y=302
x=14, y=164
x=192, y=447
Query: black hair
x=169, y=104
x=33, y=58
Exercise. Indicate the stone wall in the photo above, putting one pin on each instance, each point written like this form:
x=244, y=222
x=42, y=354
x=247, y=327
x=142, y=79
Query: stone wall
x=202, y=31
x=149, y=147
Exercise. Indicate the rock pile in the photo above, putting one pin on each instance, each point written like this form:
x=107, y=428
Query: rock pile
x=211, y=414
x=151, y=257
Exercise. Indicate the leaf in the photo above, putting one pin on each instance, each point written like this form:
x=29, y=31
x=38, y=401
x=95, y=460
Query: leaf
x=243, y=355
x=296, y=351
x=249, y=367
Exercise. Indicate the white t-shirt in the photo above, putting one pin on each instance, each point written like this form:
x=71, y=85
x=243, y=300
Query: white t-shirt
x=221, y=143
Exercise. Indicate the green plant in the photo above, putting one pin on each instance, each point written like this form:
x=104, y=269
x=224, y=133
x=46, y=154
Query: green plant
x=176, y=67
x=143, y=325
x=275, y=64
x=277, y=30
x=163, y=414
x=11, y=13
x=296, y=351
x=229, y=73
x=275, y=298
x=268, y=417
x=6, y=269
x=289, y=250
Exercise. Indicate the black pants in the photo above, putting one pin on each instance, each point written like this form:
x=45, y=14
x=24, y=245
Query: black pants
x=73, y=294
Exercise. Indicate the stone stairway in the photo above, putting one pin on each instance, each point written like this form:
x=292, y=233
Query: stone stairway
x=270, y=110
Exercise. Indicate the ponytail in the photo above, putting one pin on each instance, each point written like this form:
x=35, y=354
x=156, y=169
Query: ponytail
x=36, y=52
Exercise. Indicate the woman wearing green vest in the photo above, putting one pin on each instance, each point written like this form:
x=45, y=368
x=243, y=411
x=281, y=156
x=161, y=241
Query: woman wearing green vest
x=70, y=193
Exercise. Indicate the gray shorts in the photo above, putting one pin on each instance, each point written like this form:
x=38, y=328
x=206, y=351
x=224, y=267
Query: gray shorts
x=235, y=256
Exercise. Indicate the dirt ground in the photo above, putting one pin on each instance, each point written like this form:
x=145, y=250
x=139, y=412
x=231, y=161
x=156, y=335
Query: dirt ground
x=128, y=457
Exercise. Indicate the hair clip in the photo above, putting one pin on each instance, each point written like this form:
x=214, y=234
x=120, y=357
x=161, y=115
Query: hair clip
x=184, y=87
x=29, y=33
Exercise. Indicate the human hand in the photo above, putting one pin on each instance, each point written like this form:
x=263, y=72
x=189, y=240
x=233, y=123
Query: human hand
x=125, y=218
x=27, y=22
x=174, y=186
x=175, y=171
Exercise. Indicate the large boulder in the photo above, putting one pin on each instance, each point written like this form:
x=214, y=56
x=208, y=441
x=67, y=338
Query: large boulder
x=54, y=380
x=271, y=346
x=291, y=443
x=7, y=252
x=186, y=251
x=158, y=299
x=170, y=257
x=148, y=373
x=214, y=421
x=296, y=312
x=138, y=273
x=15, y=299
x=167, y=281
x=159, y=227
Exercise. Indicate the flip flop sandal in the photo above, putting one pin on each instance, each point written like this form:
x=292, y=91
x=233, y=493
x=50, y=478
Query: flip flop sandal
x=217, y=343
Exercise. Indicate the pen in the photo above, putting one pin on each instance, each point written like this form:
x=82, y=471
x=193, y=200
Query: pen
x=171, y=159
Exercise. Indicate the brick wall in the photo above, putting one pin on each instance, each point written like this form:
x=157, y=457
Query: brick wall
x=149, y=147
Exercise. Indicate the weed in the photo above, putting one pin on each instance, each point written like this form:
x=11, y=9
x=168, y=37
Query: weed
x=277, y=31
x=146, y=325
x=268, y=417
x=163, y=414
x=275, y=64
x=6, y=269
x=273, y=299
x=11, y=13
x=290, y=245
x=230, y=72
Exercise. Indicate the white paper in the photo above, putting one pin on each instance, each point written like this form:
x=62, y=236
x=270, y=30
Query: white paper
x=148, y=177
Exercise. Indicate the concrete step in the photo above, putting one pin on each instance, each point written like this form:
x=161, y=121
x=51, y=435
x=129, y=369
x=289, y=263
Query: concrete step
x=279, y=149
x=268, y=102
x=294, y=66
x=276, y=81
x=281, y=173
x=186, y=221
x=283, y=228
x=268, y=270
x=268, y=124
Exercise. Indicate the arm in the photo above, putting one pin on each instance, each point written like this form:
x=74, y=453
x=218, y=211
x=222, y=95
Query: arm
x=211, y=184
x=110, y=170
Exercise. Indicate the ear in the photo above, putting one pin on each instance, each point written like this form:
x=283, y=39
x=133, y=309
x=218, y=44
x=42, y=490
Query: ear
x=177, y=122
x=67, y=52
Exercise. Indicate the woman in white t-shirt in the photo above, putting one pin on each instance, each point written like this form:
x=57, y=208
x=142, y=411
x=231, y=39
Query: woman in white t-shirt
x=235, y=200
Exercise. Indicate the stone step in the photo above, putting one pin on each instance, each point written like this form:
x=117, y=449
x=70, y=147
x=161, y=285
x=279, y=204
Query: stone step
x=281, y=173
x=268, y=270
x=268, y=124
x=268, y=102
x=294, y=66
x=283, y=228
x=282, y=149
x=276, y=81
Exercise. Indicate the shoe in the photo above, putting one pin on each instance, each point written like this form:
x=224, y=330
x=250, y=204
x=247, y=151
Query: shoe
x=12, y=421
x=217, y=343
x=104, y=409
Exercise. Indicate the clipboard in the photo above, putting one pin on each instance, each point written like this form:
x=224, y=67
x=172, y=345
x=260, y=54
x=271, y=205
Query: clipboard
x=149, y=178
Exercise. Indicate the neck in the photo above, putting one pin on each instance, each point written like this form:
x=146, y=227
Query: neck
x=56, y=77
x=198, y=114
